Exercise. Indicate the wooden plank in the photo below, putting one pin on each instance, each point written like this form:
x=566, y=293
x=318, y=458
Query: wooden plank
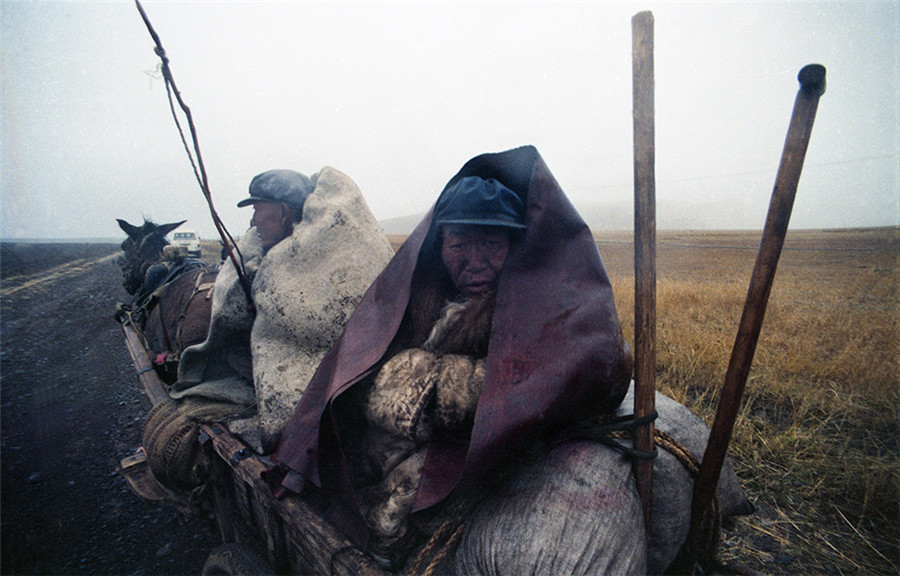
x=291, y=530
x=223, y=503
x=243, y=502
x=323, y=548
x=271, y=529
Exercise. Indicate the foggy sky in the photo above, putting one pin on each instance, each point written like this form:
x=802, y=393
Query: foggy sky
x=400, y=95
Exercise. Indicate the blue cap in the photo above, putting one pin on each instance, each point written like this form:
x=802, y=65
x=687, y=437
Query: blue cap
x=286, y=186
x=480, y=202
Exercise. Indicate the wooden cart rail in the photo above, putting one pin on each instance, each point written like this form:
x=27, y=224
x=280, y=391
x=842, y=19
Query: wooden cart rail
x=296, y=538
x=291, y=535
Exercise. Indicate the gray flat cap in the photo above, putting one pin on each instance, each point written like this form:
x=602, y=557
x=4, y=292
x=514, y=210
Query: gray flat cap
x=286, y=186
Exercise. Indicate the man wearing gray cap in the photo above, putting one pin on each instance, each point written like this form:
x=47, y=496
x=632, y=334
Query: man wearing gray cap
x=277, y=197
x=254, y=365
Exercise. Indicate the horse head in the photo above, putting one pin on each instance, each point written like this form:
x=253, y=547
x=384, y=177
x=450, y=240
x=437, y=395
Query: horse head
x=142, y=249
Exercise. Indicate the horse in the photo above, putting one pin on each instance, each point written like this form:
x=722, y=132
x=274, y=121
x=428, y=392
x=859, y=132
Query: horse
x=171, y=294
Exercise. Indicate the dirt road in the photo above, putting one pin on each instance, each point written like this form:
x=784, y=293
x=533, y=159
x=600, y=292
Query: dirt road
x=71, y=409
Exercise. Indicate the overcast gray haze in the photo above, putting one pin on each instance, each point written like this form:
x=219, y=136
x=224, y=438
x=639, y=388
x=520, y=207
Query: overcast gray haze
x=399, y=95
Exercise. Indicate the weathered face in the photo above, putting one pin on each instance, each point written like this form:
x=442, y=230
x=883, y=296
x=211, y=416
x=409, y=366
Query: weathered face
x=272, y=223
x=474, y=256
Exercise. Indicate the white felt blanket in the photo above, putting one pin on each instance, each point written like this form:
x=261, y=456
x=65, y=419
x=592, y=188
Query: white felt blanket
x=304, y=290
x=220, y=367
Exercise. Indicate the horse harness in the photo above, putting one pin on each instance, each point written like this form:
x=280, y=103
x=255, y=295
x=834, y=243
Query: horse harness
x=199, y=288
x=148, y=297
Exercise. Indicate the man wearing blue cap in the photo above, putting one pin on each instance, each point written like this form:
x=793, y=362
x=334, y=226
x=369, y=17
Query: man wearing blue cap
x=478, y=218
x=429, y=388
x=493, y=325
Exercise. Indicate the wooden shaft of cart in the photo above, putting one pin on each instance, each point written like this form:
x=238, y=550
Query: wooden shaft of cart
x=153, y=386
x=812, y=86
x=644, y=252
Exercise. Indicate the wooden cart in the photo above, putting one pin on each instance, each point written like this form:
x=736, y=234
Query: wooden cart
x=260, y=534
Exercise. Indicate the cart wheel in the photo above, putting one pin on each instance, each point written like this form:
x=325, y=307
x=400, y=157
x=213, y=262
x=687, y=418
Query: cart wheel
x=235, y=560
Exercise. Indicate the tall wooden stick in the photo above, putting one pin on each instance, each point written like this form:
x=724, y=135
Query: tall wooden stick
x=812, y=86
x=644, y=251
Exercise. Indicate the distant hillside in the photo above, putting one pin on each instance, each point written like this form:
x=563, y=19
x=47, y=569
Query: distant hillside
x=402, y=224
x=619, y=215
x=599, y=218
x=610, y=216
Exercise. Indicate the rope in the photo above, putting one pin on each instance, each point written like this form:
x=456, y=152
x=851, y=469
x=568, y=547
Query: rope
x=454, y=522
x=607, y=429
x=444, y=550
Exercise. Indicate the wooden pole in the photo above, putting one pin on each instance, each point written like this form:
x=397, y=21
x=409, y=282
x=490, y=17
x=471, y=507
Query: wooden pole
x=199, y=168
x=644, y=251
x=812, y=86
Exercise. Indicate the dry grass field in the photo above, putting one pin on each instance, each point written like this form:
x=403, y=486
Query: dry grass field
x=816, y=441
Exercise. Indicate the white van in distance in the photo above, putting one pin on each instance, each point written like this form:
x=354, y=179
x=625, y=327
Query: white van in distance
x=187, y=241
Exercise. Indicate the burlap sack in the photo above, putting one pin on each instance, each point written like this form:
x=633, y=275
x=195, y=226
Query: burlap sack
x=171, y=440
